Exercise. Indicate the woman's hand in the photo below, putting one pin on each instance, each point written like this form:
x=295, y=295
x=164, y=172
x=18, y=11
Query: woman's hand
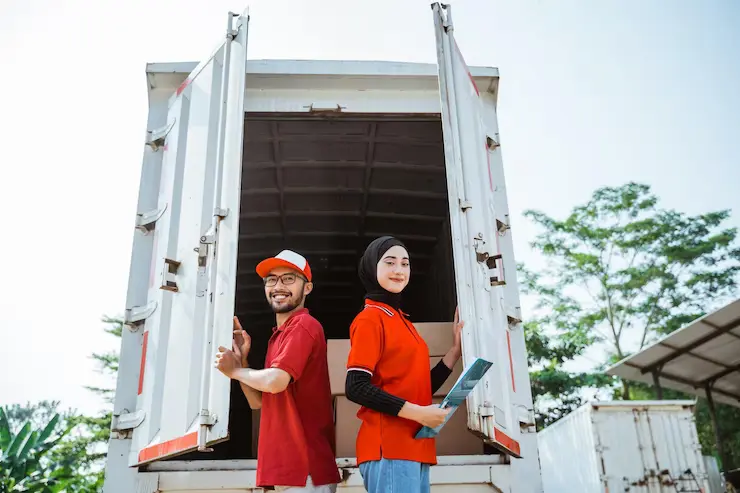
x=457, y=326
x=431, y=416
x=454, y=353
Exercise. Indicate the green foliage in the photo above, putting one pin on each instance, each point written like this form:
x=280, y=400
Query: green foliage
x=621, y=272
x=45, y=450
x=26, y=461
x=90, y=445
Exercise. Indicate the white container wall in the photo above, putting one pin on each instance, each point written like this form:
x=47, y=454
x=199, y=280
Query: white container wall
x=625, y=446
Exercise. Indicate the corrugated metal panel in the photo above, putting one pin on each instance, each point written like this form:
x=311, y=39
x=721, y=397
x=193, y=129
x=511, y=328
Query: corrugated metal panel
x=636, y=447
x=706, y=350
x=568, y=455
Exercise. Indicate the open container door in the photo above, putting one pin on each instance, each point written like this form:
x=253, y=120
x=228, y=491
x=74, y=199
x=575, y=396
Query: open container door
x=183, y=401
x=478, y=261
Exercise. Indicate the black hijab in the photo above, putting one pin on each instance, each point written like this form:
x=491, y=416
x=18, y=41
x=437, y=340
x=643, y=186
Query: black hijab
x=368, y=271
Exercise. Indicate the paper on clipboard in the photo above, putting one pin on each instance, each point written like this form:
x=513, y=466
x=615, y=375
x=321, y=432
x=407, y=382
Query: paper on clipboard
x=465, y=383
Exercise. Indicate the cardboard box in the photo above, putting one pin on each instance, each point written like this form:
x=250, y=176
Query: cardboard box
x=437, y=335
x=337, y=352
x=347, y=425
x=454, y=439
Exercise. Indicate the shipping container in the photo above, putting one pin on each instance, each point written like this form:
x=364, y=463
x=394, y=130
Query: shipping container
x=243, y=159
x=631, y=446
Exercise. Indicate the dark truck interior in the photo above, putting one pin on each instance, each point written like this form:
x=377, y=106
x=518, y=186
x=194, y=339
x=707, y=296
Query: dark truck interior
x=325, y=186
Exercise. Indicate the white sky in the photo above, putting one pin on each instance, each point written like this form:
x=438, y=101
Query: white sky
x=591, y=95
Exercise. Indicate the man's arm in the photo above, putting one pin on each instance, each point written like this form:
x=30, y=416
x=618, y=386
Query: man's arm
x=270, y=380
x=254, y=396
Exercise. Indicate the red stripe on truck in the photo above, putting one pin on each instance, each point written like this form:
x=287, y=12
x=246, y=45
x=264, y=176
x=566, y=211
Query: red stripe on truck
x=470, y=76
x=511, y=361
x=182, y=87
x=169, y=447
x=507, y=442
x=143, y=361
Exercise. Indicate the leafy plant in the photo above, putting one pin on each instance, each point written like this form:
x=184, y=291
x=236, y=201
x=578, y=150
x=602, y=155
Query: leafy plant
x=25, y=463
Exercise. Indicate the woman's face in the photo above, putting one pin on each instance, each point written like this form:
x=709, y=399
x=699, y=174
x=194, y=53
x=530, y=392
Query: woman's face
x=394, y=269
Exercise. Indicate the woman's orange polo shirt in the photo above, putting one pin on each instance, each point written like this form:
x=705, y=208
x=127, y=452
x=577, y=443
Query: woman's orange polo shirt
x=384, y=343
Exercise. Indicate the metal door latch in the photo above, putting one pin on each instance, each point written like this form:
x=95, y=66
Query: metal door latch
x=155, y=138
x=124, y=423
x=145, y=221
x=136, y=315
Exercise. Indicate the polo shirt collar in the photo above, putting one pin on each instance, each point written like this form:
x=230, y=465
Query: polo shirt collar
x=292, y=315
x=386, y=306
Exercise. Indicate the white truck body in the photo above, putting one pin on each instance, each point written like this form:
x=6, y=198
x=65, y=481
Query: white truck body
x=231, y=146
x=631, y=446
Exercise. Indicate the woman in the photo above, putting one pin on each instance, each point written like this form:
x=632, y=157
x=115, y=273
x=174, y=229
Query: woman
x=388, y=374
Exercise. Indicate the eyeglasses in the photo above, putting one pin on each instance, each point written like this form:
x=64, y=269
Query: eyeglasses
x=287, y=280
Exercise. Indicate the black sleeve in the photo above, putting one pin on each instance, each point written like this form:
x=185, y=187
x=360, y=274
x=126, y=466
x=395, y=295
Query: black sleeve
x=440, y=374
x=359, y=390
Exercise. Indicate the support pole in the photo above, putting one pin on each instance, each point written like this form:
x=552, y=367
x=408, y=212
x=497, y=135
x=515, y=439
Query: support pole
x=726, y=466
x=658, y=387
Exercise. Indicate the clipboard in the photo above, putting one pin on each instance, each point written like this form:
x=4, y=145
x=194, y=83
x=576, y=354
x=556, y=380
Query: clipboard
x=465, y=384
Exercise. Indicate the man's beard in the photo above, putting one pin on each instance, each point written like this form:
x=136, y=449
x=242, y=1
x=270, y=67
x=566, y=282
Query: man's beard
x=287, y=306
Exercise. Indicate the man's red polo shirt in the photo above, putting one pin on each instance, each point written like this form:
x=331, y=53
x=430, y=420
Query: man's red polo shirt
x=297, y=425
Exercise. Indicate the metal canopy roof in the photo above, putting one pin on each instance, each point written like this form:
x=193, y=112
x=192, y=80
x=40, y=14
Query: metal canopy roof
x=704, y=354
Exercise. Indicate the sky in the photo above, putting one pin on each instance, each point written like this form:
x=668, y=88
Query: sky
x=591, y=94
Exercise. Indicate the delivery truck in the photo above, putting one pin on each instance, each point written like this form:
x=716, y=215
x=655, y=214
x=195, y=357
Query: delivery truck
x=630, y=446
x=245, y=158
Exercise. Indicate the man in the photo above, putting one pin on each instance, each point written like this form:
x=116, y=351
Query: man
x=296, y=441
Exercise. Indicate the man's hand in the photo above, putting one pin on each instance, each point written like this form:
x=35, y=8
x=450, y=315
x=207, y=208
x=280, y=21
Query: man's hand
x=227, y=362
x=242, y=343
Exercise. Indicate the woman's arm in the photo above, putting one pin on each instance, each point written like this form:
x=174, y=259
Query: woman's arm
x=443, y=370
x=359, y=390
x=440, y=374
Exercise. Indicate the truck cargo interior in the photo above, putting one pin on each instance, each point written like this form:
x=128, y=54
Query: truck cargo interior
x=325, y=186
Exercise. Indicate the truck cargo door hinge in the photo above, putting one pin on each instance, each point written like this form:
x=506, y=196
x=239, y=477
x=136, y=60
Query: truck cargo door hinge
x=221, y=213
x=155, y=138
x=465, y=205
x=207, y=419
x=145, y=220
x=491, y=143
x=169, y=283
x=136, y=315
x=502, y=226
x=127, y=421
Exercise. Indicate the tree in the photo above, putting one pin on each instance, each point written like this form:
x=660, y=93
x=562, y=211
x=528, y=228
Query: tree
x=91, y=443
x=621, y=272
x=556, y=391
x=27, y=461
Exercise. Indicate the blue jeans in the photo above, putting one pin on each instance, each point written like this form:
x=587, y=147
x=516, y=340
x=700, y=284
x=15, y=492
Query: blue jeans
x=395, y=476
